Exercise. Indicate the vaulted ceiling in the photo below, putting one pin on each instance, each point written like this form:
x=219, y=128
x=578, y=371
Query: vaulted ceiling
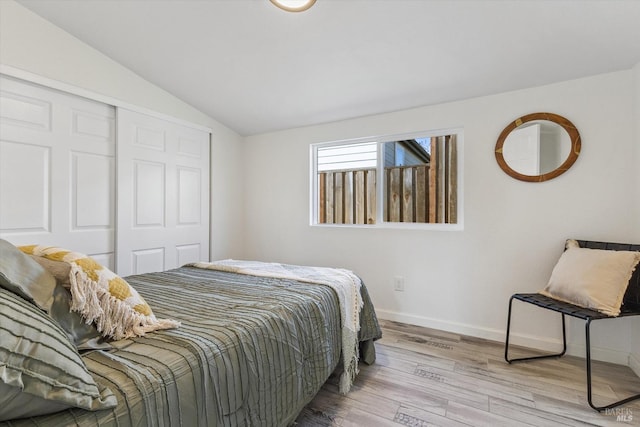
x=256, y=68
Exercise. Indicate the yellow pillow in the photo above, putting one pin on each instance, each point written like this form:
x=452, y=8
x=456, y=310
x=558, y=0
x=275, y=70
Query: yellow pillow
x=592, y=278
x=103, y=297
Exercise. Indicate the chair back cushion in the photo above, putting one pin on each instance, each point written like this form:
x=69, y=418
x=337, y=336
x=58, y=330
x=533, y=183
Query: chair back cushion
x=631, y=300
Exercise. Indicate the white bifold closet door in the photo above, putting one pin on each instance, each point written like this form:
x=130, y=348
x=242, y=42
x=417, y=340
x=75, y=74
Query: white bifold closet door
x=57, y=170
x=163, y=194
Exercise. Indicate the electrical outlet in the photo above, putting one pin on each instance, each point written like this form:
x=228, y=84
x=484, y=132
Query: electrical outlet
x=398, y=283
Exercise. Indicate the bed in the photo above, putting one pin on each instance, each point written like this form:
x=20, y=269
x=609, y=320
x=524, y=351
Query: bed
x=251, y=350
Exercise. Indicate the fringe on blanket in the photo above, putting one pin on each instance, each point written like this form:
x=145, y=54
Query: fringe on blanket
x=112, y=318
x=351, y=367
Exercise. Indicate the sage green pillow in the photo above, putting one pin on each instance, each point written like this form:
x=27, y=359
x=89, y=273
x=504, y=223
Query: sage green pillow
x=46, y=285
x=38, y=362
x=25, y=277
x=84, y=335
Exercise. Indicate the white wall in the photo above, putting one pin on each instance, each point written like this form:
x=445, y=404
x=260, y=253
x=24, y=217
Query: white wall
x=36, y=48
x=514, y=231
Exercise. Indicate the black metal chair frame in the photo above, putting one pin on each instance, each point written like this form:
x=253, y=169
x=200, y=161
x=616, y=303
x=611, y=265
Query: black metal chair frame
x=566, y=309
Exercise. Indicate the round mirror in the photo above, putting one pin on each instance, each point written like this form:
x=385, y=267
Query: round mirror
x=538, y=147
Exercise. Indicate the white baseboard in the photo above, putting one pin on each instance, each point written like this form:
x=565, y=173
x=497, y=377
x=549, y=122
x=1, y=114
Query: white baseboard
x=599, y=353
x=525, y=340
x=471, y=330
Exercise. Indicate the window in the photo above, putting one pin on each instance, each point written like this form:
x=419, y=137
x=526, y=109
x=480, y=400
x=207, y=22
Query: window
x=391, y=180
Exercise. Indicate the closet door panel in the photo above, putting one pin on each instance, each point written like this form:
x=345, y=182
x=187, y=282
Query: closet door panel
x=149, y=194
x=24, y=188
x=148, y=260
x=92, y=178
x=191, y=208
x=18, y=109
x=187, y=253
x=57, y=177
x=98, y=128
x=163, y=194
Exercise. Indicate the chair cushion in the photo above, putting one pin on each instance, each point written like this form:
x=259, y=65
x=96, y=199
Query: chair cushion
x=592, y=278
x=631, y=300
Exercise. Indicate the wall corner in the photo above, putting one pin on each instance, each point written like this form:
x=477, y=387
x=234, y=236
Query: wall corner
x=634, y=355
x=636, y=136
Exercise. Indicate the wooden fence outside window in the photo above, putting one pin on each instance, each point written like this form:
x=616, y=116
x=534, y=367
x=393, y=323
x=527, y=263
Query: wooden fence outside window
x=347, y=197
x=424, y=193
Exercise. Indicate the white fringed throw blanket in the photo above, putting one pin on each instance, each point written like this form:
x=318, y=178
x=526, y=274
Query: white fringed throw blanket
x=343, y=282
x=102, y=297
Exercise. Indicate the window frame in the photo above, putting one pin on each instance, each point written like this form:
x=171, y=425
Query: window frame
x=380, y=140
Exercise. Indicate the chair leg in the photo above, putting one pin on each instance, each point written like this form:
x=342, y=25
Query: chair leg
x=546, y=356
x=588, y=362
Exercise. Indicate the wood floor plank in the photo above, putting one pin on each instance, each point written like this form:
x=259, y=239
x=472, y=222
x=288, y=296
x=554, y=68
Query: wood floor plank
x=476, y=417
x=408, y=415
x=529, y=415
x=579, y=412
x=502, y=373
x=424, y=377
x=364, y=399
x=434, y=389
x=394, y=389
x=389, y=326
x=392, y=358
x=359, y=418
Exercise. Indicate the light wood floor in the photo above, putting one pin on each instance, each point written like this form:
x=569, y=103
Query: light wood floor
x=424, y=377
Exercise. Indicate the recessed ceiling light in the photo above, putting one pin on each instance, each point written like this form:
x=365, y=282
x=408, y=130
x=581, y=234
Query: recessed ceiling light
x=293, y=5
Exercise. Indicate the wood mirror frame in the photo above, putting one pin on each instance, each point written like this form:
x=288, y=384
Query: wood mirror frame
x=574, y=136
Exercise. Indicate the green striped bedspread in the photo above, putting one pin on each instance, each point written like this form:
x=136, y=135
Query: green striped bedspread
x=251, y=351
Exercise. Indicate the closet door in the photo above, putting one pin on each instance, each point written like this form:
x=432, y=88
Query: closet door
x=163, y=194
x=57, y=170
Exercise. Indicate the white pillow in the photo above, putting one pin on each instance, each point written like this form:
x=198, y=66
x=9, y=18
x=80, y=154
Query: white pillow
x=592, y=278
